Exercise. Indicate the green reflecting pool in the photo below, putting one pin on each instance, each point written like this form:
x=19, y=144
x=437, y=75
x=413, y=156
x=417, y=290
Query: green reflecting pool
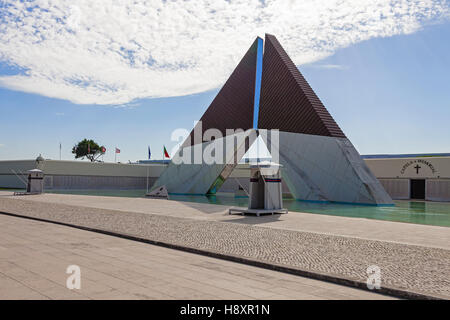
x=431, y=213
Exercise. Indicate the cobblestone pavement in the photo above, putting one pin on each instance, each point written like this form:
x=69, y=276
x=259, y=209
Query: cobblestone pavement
x=34, y=257
x=370, y=229
x=407, y=267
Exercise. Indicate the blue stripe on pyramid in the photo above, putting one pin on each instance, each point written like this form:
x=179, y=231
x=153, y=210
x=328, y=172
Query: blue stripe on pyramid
x=259, y=61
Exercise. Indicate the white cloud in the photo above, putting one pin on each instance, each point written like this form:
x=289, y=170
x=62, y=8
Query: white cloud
x=329, y=66
x=112, y=52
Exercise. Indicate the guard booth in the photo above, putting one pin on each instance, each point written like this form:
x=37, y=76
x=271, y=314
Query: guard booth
x=265, y=195
x=35, y=181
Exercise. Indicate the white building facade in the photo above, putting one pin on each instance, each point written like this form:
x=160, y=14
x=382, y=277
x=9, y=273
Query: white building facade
x=420, y=177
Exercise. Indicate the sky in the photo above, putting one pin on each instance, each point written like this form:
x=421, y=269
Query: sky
x=128, y=75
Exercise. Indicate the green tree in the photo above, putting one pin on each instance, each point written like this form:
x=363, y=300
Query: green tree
x=89, y=149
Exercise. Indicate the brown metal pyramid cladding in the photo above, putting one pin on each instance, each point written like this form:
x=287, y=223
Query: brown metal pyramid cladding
x=232, y=108
x=287, y=101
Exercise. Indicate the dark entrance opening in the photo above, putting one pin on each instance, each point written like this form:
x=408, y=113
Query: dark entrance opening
x=418, y=189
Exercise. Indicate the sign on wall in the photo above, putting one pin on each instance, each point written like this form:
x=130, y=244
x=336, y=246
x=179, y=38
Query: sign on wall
x=419, y=167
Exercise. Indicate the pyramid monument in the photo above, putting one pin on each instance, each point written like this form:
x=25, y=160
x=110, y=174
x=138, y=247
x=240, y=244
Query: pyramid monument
x=266, y=91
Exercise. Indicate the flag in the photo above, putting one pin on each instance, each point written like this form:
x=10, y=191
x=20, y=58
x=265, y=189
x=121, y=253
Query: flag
x=103, y=149
x=89, y=148
x=149, y=153
x=166, y=154
x=117, y=150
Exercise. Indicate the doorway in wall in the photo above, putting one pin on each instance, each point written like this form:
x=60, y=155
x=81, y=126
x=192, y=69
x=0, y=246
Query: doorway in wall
x=418, y=189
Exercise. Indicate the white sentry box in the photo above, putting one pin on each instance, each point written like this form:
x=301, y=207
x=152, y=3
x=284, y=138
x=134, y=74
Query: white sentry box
x=265, y=190
x=35, y=181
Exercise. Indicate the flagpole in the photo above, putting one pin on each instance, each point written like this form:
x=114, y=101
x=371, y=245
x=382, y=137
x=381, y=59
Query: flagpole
x=115, y=154
x=60, y=151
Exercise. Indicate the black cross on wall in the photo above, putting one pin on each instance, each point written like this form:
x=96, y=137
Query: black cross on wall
x=417, y=167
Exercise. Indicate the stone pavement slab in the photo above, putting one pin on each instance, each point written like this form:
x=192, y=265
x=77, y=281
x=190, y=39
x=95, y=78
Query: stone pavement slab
x=416, y=234
x=115, y=268
x=412, y=268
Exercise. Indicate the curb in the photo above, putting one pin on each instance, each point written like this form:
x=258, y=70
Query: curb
x=394, y=292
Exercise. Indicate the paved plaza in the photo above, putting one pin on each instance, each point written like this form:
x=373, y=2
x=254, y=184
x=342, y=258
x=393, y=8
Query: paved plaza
x=416, y=259
x=406, y=233
x=34, y=257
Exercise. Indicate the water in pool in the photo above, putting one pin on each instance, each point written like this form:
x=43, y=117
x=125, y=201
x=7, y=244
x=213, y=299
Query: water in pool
x=431, y=213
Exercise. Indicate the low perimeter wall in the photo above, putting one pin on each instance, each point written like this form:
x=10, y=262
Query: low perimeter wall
x=80, y=174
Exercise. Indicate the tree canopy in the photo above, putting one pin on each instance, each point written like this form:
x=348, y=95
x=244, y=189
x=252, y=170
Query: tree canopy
x=89, y=149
